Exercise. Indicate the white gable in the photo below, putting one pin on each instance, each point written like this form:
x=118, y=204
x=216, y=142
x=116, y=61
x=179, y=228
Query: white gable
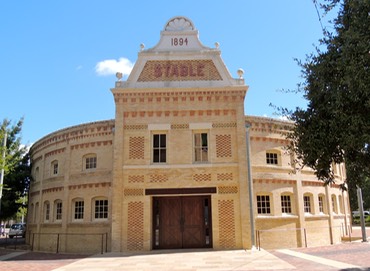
x=179, y=60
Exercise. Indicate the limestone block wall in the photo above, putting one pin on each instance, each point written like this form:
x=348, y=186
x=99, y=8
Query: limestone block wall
x=317, y=215
x=65, y=191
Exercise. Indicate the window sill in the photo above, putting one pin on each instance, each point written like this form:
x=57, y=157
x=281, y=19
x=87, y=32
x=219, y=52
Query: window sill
x=283, y=216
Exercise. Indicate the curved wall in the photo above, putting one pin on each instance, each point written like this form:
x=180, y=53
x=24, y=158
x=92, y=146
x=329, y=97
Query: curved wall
x=68, y=166
x=71, y=193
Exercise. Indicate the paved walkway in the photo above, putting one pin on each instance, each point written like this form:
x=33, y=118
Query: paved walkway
x=347, y=256
x=354, y=256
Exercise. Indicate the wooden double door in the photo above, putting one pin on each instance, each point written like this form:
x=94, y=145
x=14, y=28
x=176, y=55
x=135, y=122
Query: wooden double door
x=182, y=222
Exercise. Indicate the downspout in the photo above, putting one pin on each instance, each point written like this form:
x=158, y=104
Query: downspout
x=250, y=187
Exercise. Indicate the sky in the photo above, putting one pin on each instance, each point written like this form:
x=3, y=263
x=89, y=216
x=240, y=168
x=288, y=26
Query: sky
x=59, y=58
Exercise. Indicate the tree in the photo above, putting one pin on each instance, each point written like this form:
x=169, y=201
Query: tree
x=335, y=126
x=16, y=169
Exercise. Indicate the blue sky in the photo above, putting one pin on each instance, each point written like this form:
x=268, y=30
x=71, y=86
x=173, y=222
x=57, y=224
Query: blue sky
x=58, y=58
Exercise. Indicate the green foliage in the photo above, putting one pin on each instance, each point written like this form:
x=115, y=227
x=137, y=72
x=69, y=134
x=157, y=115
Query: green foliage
x=16, y=168
x=335, y=127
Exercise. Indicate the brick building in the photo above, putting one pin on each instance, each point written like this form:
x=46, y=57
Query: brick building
x=180, y=166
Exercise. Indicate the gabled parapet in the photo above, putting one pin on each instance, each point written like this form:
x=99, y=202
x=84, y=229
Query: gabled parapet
x=180, y=60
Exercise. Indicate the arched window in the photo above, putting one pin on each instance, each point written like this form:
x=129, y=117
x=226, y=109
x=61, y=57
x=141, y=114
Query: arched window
x=37, y=212
x=334, y=203
x=307, y=203
x=58, y=210
x=341, y=207
x=46, y=211
x=54, y=168
x=36, y=175
x=78, y=209
x=30, y=213
x=90, y=161
x=286, y=203
x=322, y=204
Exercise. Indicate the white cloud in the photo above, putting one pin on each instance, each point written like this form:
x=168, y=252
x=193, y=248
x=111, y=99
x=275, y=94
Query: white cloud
x=112, y=66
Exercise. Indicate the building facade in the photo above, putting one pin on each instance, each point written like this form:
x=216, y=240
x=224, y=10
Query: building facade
x=180, y=166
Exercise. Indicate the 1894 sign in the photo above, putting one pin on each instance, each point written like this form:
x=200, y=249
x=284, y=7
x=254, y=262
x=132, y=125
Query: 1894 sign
x=179, y=41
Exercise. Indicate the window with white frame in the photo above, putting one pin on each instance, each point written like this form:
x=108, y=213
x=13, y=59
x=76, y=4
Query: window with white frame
x=272, y=158
x=58, y=210
x=201, y=147
x=286, y=204
x=90, y=161
x=307, y=203
x=341, y=207
x=263, y=204
x=101, y=209
x=159, y=148
x=334, y=203
x=79, y=209
x=321, y=204
x=46, y=211
x=54, y=167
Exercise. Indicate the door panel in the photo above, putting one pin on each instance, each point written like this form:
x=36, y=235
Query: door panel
x=193, y=230
x=170, y=218
x=181, y=222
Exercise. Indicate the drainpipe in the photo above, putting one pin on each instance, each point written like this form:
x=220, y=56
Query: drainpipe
x=250, y=187
x=2, y=168
x=361, y=209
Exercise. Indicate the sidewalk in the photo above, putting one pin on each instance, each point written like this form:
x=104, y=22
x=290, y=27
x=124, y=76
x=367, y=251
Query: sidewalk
x=346, y=256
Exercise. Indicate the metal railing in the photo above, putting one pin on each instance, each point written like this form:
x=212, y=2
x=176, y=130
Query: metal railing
x=293, y=235
x=62, y=238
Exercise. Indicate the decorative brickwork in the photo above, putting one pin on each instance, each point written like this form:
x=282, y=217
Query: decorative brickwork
x=135, y=223
x=224, y=176
x=202, y=177
x=55, y=152
x=136, y=178
x=180, y=126
x=136, y=147
x=158, y=178
x=227, y=223
x=135, y=127
x=88, y=185
x=133, y=192
x=92, y=144
x=182, y=113
x=223, y=146
x=54, y=189
x=224, y=125
x=179, y=70
x=228, y=190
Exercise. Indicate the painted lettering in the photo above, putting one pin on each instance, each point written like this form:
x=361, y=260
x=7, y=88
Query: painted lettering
x=200, y=68
x=157, y=70
x=171, y=70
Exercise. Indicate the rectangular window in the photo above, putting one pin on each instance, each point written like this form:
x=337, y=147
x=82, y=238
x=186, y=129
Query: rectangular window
x=263, y=204
x=159, y=148
x=201, y=147
x=101, y=209
x=55, y=168
x=271, y=158
x=90, y=162
x=47, y=212
x=307, y=204
x=321, y=204
x=286, y=207
x=59, y=211
x=79, y=210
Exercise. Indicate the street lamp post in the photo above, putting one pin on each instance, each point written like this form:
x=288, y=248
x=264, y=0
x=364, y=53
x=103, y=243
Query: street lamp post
x=2, y=168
